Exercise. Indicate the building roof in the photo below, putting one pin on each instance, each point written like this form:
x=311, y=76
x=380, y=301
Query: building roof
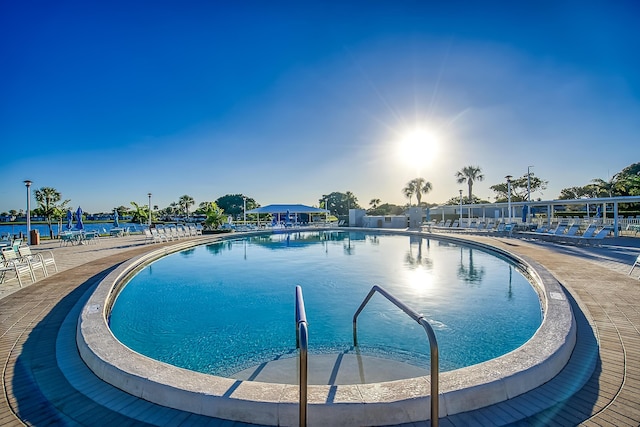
x=274, y=209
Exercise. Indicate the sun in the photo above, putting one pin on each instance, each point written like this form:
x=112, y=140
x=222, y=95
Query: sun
x=418, y=148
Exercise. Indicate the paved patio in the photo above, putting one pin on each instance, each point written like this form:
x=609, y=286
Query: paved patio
x=46, y=383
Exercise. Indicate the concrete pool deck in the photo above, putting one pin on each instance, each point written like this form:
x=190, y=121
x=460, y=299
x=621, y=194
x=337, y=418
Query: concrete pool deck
x=38, y=388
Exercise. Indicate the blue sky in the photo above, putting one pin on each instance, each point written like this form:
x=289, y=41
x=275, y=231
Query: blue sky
x=285, y=101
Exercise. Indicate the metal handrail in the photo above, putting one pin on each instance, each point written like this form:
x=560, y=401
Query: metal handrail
x=302, y=342
x=433, y=344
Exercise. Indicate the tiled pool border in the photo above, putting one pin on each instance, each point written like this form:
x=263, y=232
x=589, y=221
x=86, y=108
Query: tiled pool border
x=393, y=402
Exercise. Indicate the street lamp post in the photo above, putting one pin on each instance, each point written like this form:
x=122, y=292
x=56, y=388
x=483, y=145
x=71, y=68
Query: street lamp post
x=508, y=177
x=460, y=221
x=326, y=214
x=149, y=194
x=244, y=209
x=528, y=192
x=27, y=183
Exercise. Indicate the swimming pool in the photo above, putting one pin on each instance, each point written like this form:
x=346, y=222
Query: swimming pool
x=380, y=403
x=226, y=306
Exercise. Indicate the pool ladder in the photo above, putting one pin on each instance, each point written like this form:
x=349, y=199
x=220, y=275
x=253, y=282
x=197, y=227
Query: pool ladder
x=302, y=342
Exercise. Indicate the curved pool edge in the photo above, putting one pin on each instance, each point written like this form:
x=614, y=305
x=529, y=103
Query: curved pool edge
x=393, y=402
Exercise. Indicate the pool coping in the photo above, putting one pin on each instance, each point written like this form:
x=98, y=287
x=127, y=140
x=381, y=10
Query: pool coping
x=392, y=402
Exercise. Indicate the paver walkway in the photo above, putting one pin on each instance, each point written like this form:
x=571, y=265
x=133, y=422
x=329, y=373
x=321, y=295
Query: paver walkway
x=36, y=391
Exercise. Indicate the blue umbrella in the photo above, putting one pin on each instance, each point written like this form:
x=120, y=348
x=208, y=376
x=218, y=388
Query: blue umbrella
x=79, y=224
x=428, y=214
x=598, y=212
x=116, y=224
x=69, y=220
x=525, y=211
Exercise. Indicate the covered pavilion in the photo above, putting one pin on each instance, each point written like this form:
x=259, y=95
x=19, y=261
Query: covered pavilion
x=286, y=210
x=607, y=209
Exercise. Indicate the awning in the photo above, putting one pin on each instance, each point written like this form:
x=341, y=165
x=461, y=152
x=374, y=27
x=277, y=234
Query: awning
x=292, y=209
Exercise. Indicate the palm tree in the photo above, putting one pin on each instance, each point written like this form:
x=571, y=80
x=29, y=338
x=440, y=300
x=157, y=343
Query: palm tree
x=48, y=198
x=417, y=186
x=215, y=215
x=470, y=174
x=140, y=213
x=409, y=191
x=374, y=203
x=351, y=200
x=421, y=186
x=185, y=203
x=605, y=188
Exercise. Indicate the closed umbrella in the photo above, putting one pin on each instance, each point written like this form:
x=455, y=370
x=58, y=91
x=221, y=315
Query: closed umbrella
x=116, y=224
x=525, y=211
x=69, y=220
x=79, y=224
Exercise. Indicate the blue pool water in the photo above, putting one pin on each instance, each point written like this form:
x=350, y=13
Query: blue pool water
x=224, y=307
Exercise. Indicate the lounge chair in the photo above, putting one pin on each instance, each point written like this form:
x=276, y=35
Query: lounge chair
x=573, y=230
x=490, y=226
x=159, y=236
x=633, y=227
x=541, y=229
x=149, y=237
x=508, y=229
x=637, y=262
x=560, y=229
x=597, y=237
x=18, y=266
x=589, y=231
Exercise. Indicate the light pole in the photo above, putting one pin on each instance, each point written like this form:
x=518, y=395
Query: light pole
x=528, y=192
x=508, y=177
x=326, y=214
x=28, y=185
x=460, y=221
x=149, y=194
x=244, y=209
x=529, y=183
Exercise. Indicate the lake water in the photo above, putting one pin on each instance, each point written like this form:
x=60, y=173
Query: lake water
x=16, y=229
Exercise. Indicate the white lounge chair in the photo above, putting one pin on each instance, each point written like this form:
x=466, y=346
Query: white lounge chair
x=159, y=236
x=149, y=237
x=597, y=237
x=637, y=262
x=560, y=229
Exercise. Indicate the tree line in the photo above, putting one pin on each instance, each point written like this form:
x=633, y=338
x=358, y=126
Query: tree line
x=52, y=207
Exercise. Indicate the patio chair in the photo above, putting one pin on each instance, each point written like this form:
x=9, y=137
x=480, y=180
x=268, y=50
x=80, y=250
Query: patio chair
x=67, y=239
x=48, y=260
x=34, y=261
x=12, y=263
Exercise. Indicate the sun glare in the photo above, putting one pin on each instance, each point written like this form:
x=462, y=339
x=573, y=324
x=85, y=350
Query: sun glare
x=418, y=148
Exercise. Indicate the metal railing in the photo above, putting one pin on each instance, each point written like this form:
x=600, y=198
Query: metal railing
x=302, y=342
x=430, y=334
